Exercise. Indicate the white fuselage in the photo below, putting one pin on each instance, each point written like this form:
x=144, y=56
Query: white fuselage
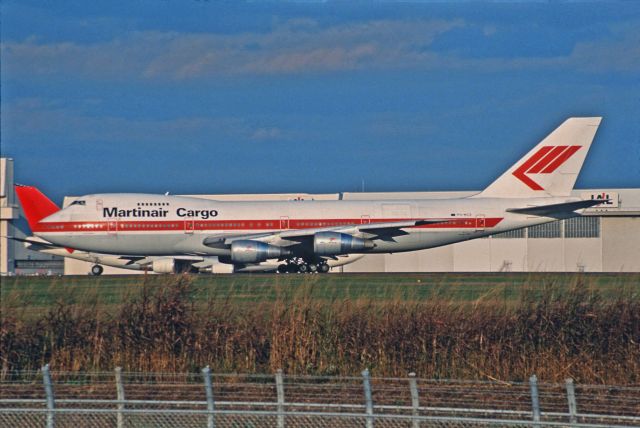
x=160, y=225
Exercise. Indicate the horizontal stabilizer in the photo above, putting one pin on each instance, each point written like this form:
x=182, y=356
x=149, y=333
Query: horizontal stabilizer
x=550, y=210
x=35, y=244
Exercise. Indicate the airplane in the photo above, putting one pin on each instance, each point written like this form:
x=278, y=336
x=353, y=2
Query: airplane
x=302, y=235
x=159, y=264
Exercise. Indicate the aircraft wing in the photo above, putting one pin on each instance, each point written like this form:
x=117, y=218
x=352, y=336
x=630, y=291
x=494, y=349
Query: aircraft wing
x=295, y=236
x=141, y=260
x=392, y=229
x=373, y=229
x=225, y=240
x=147, y=260
x=557, y=210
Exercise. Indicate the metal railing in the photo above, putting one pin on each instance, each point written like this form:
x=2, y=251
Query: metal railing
x=60, y=399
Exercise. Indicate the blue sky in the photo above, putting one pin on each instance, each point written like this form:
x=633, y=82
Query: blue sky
x=252, y=97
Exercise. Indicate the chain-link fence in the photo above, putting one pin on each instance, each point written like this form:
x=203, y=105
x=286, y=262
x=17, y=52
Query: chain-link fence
x=60, y=399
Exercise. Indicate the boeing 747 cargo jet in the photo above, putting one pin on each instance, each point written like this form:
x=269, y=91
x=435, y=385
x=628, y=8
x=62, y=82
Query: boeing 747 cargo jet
x=303, y=235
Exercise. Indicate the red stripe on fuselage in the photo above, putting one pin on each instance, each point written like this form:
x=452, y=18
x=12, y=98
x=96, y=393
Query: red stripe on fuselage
x=232, y=225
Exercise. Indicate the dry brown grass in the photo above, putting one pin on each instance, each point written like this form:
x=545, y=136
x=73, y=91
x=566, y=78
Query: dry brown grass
x=561, y=333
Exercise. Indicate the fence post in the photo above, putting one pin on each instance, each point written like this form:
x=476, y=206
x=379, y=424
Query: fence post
x=535, y=399
x=48, y=389
x=415, y=403
x=120, y=396
x=280, y=392
x=571, y=398
x=366, y=383
x=208, y=389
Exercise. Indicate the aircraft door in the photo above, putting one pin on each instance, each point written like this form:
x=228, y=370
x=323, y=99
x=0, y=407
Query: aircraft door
x=365, y=219
x=480, y=222
x=284, y=222
x=188, y=226
x=112, y=226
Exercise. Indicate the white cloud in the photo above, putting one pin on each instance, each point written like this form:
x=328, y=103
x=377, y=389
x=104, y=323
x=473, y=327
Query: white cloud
x=292, y=47
x=489, y=30
x=295, y=47
x=264, y=134
x=619, y=54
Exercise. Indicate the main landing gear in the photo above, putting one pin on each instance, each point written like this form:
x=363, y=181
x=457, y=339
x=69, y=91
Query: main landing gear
x=301, y=266
x=96, y=270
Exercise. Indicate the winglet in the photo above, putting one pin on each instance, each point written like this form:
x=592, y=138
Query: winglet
x=551, y=167
x=35, y=204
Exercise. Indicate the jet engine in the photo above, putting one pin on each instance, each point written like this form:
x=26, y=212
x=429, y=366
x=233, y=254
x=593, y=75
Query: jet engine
x=164, y=266
x=334, y=243
x=220, y=268
x=170, y=265
x=247, y=251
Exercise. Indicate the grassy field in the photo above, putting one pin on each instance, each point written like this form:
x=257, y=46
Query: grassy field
x=32, y=295
x=465, y=326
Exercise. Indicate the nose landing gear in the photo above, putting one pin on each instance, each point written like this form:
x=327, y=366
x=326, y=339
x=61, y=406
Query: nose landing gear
x=96, y=270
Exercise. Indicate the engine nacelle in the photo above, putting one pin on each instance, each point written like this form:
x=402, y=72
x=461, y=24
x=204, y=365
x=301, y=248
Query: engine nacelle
x=334, y=243
x=171, y=265
x=247, y=251
x=164, y=266
x=220, y=268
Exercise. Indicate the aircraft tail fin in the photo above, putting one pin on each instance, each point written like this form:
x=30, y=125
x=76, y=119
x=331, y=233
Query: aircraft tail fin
x=35, y=204
x=550, y=168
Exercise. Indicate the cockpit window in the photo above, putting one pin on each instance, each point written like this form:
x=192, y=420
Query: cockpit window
x=79, y=202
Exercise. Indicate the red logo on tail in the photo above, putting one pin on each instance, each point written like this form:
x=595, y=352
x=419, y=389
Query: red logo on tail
x=544, y=161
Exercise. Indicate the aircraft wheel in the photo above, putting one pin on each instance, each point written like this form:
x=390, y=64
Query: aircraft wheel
x=313, y=267
x=323, y=268
x=292, y=268
x=283, y=268
x=97, y=270
x=303, y=268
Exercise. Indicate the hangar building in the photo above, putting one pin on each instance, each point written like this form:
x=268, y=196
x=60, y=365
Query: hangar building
x=605, y=239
